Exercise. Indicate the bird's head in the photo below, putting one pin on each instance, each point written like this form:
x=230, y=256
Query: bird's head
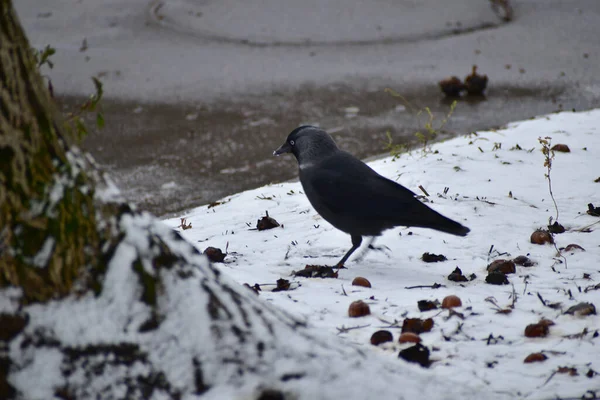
x=308, y=144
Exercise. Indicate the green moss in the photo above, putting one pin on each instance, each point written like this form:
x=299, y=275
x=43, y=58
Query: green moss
x=149, y=284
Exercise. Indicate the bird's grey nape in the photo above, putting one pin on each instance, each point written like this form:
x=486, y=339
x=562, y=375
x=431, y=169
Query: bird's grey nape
x=311, y=145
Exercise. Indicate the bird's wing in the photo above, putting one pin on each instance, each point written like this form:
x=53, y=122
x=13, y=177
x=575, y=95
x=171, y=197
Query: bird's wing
x=345, y=185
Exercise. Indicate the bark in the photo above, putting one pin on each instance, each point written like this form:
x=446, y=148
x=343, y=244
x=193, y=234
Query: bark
x=48, y=227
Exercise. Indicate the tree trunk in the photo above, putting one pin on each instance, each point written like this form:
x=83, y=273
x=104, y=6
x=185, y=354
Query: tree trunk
x=47, y=212
x=100, y=301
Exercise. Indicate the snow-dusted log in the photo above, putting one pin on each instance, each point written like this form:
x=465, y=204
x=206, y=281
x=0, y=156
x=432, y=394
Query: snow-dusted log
x=98, y=301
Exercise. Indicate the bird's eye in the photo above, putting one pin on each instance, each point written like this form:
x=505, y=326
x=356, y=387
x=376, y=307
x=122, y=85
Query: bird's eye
x=292, y=142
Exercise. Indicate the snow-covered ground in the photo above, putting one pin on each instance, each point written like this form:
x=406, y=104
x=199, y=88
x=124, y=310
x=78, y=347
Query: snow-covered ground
x=492, y=182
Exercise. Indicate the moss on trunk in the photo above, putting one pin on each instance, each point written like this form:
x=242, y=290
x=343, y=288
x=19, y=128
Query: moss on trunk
x=47, y=211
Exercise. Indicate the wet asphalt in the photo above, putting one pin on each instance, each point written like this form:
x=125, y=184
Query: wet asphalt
x=199, y=93
x=169, y=158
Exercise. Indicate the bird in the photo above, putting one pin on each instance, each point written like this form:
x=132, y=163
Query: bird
x=351, y=196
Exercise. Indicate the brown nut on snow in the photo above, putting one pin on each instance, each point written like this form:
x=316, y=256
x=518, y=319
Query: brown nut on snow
x=561, y=147
x=214, y=254
x=360, y=281
x=504, y=266
x=541, y=237
x=535, y=357
x=537, y=330
x=381, y=337
x=409, y=337
x=451, y=301
x=358, y=309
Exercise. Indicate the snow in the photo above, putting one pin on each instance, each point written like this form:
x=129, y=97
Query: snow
x=498, y=191
x=301, y=342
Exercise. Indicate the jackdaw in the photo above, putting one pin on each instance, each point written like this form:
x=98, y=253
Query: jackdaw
x=351, y=196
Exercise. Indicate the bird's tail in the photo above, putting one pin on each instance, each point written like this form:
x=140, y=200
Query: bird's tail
x=428, y=218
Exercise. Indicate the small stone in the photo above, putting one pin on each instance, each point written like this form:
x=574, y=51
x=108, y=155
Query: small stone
x=451, y=301
x=380, y=337
x=360, y=281
x=358, y=309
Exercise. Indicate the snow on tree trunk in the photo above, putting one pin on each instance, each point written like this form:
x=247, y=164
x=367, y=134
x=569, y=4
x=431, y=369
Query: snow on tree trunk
x=100, y=301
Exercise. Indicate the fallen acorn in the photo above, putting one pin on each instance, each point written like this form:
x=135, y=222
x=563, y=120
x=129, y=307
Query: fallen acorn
x=214, y=254
x=360, y=281
x=451, y=301
x=540, y=329
x=452, y=86
x=417, y=325
x=266, y=222
x=426, y=305
x=430, y=257
x=560, y=147
x=380, y=337
x=475, y=83
x=535, y=357
x=409, y=337
x=416, y=354
x=541, y=237
x=504, y=266
x=358, y=308
x=496, y=278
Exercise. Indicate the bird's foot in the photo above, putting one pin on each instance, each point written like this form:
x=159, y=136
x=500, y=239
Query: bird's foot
x=339, y=266
x=379, y=248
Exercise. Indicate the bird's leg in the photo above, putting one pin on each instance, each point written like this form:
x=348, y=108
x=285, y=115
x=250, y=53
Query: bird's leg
x=377, y=248
x=356, y=241
x=370, y=246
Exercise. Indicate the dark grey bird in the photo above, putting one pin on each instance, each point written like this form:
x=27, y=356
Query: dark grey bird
x=351, y=196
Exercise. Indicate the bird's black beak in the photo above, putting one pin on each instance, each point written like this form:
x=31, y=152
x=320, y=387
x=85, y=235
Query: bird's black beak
x=285, y=148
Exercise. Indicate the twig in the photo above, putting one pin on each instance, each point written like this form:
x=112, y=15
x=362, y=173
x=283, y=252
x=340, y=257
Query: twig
x=344, y=291
x=423, y=190
x=343, y=329
x=548, y=380
x=434, y=286
x=514, y=297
